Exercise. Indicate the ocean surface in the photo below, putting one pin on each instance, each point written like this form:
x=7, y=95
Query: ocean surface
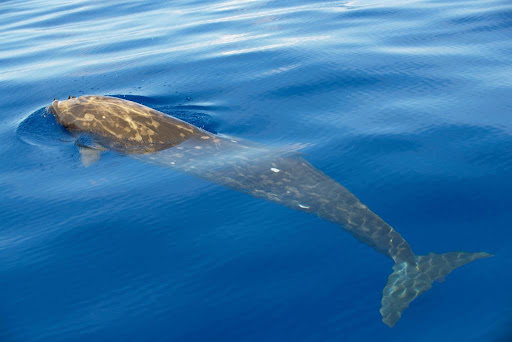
x=408, y=104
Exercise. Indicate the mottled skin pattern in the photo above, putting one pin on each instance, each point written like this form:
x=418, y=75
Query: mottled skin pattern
x=131, y=129
x=277, y=176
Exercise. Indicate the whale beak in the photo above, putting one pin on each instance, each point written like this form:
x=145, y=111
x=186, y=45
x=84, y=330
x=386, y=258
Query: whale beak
x=54, y=107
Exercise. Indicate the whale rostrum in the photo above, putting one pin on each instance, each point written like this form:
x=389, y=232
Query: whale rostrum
x=278, y=176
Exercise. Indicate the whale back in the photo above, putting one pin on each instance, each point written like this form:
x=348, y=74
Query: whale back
x=123, y=125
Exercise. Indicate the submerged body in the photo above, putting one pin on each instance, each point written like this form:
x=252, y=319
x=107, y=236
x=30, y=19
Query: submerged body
x=277, y=176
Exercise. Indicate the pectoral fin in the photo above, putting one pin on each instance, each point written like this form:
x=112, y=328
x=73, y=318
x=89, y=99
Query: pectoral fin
x=89, y=155
x=90, y=151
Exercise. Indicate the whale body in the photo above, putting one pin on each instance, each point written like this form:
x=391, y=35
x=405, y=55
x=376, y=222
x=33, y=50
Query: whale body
x=274, y=175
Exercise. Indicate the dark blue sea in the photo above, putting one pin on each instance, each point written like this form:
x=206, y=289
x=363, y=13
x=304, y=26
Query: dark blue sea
x=408, y=104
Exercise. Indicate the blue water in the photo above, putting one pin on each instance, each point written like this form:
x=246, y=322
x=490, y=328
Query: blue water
x=406, y=103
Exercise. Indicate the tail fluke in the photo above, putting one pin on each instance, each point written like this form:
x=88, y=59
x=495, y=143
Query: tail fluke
x=408, y=281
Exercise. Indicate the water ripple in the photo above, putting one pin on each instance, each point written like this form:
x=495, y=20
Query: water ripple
x=407, y=104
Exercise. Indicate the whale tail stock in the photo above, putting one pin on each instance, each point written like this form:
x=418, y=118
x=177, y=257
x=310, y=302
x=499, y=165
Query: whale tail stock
x=408, y=281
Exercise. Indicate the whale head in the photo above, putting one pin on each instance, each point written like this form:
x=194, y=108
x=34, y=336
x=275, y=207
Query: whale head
x=120, y=124
x=61, y=110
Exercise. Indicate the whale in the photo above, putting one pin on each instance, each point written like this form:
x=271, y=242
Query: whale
x=102, y=123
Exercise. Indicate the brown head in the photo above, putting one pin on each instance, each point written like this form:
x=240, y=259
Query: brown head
x=121, y=124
